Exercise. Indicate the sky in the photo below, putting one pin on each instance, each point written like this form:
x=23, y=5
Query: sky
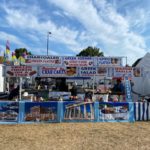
x=116, y=27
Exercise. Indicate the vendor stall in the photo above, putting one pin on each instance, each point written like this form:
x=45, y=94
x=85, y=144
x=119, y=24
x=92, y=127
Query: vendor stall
x=46, y=78
x=56, y=89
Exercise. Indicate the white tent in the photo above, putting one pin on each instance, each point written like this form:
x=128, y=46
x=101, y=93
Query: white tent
x=1, y=79
x=142, y=84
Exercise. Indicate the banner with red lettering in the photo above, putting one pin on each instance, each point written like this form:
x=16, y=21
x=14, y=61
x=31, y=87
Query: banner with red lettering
x=20, y=71
x=123, y=71
x=43, y=60
x=72, y=61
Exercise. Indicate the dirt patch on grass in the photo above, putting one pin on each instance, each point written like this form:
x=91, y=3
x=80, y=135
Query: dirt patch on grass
x=76, y=136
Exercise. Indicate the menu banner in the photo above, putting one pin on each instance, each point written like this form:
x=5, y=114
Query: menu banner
x=20, y=71
x=72, y=61
x=37, y=59
x=109, y=61
x=52, y=71
x=57, y=71
x=122, y=72
x=87, y=71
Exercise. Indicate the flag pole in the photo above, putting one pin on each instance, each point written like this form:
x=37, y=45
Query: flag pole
x=20, y=89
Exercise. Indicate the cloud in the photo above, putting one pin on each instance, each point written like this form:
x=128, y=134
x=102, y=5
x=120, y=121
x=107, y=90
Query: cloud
x=12, y=38
x=109, y=27
x=38, y=28
x=139, y=19
x=61, y=13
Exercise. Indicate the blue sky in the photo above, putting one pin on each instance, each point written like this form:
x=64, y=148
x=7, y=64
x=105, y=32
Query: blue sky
x=117, y=27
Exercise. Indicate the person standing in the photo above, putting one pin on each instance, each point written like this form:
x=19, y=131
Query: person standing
x=74, y=91
x=119, y=87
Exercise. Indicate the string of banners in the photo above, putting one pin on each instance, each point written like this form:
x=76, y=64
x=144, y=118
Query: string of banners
x=72, y=61
x=49, y=71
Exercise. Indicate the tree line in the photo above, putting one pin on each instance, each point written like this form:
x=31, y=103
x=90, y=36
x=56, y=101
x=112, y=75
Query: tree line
x=89, y=51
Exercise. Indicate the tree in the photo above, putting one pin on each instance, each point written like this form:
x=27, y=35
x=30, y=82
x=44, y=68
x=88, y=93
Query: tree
x=91, y=51
x=19, y=52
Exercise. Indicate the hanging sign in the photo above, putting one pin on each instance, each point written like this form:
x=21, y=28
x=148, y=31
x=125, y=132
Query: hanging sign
x=37, y=59
x=72, y=61
x=57, y=71
x=122, y=72
x=109, y=61
x=52, y=71
x=20, y=71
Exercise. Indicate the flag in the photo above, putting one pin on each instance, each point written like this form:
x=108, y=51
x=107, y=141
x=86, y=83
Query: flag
x=6, y=60
x=13, y=57
x=22, y=58
x=7, y=47
x=24, y=54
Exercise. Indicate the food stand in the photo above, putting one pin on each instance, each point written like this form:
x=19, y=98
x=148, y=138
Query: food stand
x=50, y=92
x=49, y=75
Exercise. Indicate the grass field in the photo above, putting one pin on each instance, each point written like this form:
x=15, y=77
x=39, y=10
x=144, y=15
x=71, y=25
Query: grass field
x=76, y=136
